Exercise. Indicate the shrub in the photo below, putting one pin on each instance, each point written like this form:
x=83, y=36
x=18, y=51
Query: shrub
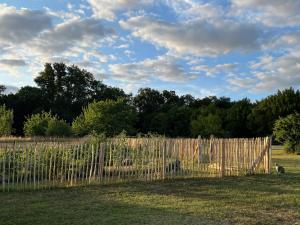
x=45, y=124
x=58, y=128
x=37, y=124
x=287, y=131
x=6, y=121
x=106, y=117
x=79, y=126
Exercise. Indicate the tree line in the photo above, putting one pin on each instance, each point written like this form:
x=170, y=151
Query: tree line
x=70, y=99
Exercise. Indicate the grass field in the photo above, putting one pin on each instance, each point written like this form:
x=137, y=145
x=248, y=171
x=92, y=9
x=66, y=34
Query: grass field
x=260, y=199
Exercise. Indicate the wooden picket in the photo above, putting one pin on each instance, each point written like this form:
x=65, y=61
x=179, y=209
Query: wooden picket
x=36, y=165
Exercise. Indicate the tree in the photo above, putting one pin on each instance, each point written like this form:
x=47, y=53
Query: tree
x=24, y=103
x=6, y=121
x=267, y=111
x=170, y=98
x=2, y=88
x=173, y=123
x=179, y=120
x=67, y=89
x=45, y=124
x=205, y=126
x=148, y=102
x=237, y=118
x=159, y=123
x=187, y=100
x=104, y=92
x=109, y=117
x=287, y=131
x=47, y=81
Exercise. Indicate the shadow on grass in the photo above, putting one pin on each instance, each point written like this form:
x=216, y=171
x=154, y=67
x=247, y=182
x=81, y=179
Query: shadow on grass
x=272, y=183
x=230, y=200
x=89, y=206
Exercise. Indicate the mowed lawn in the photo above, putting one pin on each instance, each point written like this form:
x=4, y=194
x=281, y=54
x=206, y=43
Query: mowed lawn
x=259, y=199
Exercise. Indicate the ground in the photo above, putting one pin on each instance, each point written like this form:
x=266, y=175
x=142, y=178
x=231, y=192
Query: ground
x=258, y=199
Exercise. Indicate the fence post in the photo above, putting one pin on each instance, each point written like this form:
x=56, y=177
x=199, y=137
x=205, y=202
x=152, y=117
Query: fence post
x=3, y=170
x=223, y=158
x=269, y=163
x=101, y=161
x=199, y=151
x=210, y=148
x=164, y=159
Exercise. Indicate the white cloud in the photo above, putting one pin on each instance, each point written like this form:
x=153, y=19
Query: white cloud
x=272, y=73
x=18, y=26
x=285, y=41
x=106, y=9
x=198, y=38
x=71, y=33
x=49, y=36
x=245, y=83
x=123, y=46
x=195, y=10
x=270, y=12
x=216, y=69
x=163, y=68
x=12, y=62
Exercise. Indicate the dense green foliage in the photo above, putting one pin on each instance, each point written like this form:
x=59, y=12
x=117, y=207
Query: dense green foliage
x=66, y=91
x=45, y=124
x=207, y=125
x=6, y=121
x=63, y=90
x=108, y=117
x=287, y=132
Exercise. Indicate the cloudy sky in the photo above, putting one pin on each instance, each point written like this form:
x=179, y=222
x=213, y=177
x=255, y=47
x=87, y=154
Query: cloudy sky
x=226, y=48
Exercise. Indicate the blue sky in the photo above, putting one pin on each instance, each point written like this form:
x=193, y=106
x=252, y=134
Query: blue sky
x=226, y=48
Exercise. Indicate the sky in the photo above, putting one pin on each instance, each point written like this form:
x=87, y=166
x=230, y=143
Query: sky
x=227, y=48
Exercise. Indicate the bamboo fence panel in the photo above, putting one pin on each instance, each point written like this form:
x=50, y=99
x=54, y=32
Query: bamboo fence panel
x=43, y=165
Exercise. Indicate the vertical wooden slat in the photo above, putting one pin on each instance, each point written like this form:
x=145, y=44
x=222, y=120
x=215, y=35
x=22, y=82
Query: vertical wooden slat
x=269, y=155
x=164, y=150
x=34, y=168
x=222, y=157
x=9, y=168
x=54, y=173
x=95, y=162
x=3, y=169
x=62, y=174
x=101, y=162
x=14, y=149
x=92, y=162
x=76, y=164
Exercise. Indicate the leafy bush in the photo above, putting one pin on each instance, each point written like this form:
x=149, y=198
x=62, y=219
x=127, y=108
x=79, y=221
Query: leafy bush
x=6, y=121
x=79, y=126
x=287, y=131
x=58, y=128
x=106, y=117
x=45, y=124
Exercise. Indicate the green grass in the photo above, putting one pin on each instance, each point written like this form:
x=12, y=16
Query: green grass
x=260, y=199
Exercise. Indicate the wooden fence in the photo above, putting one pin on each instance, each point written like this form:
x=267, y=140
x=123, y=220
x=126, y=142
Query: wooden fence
x=31, y=165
